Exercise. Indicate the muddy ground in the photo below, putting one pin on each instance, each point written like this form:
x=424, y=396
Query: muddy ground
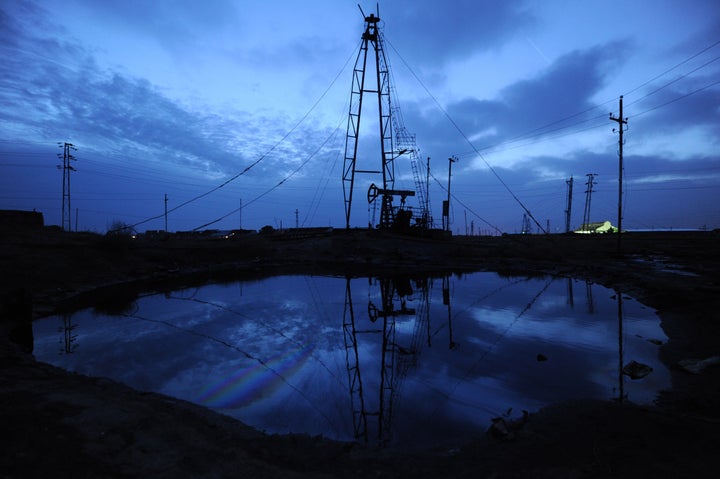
x=58, y=424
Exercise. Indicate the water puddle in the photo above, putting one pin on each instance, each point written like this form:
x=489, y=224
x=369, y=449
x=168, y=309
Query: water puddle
x=406, y=361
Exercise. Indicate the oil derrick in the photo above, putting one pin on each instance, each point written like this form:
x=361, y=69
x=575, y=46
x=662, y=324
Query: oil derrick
x=372, y=418
x=405, y=141
x=364, y=83
x=69, y=334
x=526, y=227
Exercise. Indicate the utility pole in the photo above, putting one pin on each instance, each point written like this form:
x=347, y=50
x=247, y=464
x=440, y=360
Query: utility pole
x=621, y=122
x=446, y=204
x=588, y=195
x=568, y=203
x=297, y=224
x=166, y=200
x=241, y=207
x=66, y=169
x=427, y=196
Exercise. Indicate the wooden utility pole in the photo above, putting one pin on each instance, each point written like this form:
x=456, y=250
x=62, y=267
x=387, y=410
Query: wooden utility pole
x=568, y=210
x=166, y=200
x=588, y=199
x=621, y=122
x=446, y=204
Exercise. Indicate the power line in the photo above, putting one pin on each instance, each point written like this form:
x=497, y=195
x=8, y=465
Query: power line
x=305, y=162
x=262, y=157
x=466, y=206
x=675, y=80
x=677, y=99
x=459, y=130
x=673, y=68
x=527, y=134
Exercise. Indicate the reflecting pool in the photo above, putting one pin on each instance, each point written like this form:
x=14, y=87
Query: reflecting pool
x=404, y=361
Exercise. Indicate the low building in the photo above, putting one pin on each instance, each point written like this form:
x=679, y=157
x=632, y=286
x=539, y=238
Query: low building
x=603, y=227
x=18, y=220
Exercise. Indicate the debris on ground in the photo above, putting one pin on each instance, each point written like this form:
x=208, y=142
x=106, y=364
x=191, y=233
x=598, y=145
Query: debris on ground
x=636, y=370
x=696, y=366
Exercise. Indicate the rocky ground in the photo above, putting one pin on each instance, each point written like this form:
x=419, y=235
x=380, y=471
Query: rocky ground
x=58, y=424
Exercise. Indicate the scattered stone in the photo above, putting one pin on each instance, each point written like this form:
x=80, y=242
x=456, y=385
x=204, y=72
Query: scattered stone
x=696, y=366
x=499, y=430
x=505, y=430
x=636, y=370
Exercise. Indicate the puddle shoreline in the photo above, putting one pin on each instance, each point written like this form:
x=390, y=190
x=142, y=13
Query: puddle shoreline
x=486, y=318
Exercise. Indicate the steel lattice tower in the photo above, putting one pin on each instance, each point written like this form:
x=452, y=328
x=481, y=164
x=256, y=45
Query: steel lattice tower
x=67, y=157
x=380, y=87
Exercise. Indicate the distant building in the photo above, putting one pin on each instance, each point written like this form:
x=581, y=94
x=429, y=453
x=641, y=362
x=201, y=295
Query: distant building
x=16, y=220
x=604, y=227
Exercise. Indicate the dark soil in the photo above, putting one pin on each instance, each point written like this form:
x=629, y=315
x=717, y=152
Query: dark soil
x=59, y=424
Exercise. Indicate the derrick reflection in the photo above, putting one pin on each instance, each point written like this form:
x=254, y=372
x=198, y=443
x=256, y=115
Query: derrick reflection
x=373, y=411
x=69, y=338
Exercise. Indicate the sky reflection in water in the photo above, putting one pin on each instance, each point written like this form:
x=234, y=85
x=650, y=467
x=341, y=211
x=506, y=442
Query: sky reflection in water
x=279, y=353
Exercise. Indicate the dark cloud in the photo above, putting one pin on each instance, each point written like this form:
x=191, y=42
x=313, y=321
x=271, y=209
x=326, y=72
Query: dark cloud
x=691, y=103
x=552, y=98
x=564, y=89
x=463, y=27
x=187, y=18
x=53, y=90
x=109, y=108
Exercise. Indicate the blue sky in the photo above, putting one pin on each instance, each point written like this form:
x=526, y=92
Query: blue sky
x=179, y=97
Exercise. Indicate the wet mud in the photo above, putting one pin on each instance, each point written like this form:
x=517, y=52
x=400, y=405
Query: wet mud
x=59, y=424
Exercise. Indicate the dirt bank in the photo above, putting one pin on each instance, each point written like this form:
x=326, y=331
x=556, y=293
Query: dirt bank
x=65, y=425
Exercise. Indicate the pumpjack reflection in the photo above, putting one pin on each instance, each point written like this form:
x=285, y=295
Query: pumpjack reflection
x=373, y=413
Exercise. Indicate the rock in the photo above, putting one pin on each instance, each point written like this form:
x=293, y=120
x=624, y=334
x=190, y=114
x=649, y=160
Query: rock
x=499, y=430
x=636, y=370
x=506, y=430
x=696, y=366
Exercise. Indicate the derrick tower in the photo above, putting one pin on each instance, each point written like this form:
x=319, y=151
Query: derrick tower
x=371, y=82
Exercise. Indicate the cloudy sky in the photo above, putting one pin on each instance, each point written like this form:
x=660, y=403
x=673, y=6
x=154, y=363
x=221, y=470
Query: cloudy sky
x=237, y=110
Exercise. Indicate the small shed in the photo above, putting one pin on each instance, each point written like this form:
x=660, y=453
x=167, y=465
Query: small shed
x=19, y=220
x=602, y=227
